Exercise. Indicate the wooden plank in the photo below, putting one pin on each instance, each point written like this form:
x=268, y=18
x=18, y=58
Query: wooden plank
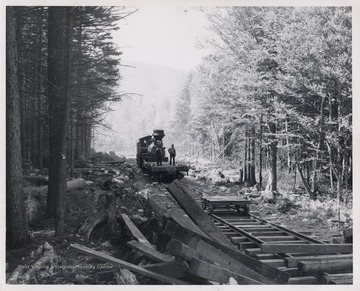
x=136, y=233
x=129, y=266
x=149, y=252
x=332, y=278
x=215, y=273
x=326, y=266
x=197, y=214
x=207, y=252
x=292, y=262
x=303, y=280
x=307, y=248
x=175, y=269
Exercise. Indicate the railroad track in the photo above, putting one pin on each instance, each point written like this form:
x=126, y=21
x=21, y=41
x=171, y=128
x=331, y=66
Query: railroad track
x=306, y=263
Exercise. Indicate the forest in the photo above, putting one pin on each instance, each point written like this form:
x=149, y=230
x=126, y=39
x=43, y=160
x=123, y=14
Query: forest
x=62, y=68
x=274, y=98
x=262, y=128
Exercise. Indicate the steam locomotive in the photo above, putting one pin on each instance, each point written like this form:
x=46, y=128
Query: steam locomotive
x=146, y=159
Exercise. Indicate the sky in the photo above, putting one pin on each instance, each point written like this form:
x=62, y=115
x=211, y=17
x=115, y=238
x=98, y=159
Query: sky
x=163, y=35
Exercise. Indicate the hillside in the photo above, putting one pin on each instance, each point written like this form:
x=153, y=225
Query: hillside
x=154, y=90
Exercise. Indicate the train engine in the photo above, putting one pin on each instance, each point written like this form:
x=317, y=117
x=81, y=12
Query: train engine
x=146, y=159
x=146, y=147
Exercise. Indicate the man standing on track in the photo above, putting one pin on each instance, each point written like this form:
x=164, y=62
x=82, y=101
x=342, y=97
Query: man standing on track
x=172, y=153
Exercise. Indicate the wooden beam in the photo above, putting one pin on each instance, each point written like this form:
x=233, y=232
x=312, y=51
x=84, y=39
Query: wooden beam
x=197, y=214
x=307, y=248
x=175, y=269
x=207, y=252
x=215, y=273
x=266, y=272
x=180, y=249
x=180, y=217
x=326, y=266
x=129, y=266
x=292, y=262
x=303, y=280
x=136, y=233
x=149, y=252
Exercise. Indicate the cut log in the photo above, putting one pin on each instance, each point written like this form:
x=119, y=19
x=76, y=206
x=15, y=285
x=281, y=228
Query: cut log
x=104, y=212
x=149, y=252
x=197, y=214
x=326, y=265
x=214, y=273
x=129, y=266
x=75, y=184
x=307, y=248
x=136, y=233
x=125, y=277
x=175, y=269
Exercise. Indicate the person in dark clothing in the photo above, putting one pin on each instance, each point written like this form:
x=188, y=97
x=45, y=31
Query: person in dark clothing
x=158, y=155
x=172, y=153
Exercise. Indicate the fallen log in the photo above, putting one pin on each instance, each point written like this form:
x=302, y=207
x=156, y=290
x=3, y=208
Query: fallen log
x=307, y=248
x=211, y=272
x=197, y=214
x=149, y=252
x=75, y=184
x=129, y=266
x=104, y=212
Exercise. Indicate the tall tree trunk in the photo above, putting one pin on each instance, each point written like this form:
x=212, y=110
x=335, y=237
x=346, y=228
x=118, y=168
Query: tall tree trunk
x=252, y=164
x=245, y=157
x=59, y=60
x=273, y=153
x=16, y=218
x=260, y=152
x=321, y=139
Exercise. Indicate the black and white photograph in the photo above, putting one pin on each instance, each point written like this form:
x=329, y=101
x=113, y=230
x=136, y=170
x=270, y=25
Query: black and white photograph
x=179, y=143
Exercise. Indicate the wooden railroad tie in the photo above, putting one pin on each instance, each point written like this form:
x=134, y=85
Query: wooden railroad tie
x=307, y=248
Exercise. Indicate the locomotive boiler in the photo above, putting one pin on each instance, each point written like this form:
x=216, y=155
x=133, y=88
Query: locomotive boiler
x=146, y=159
